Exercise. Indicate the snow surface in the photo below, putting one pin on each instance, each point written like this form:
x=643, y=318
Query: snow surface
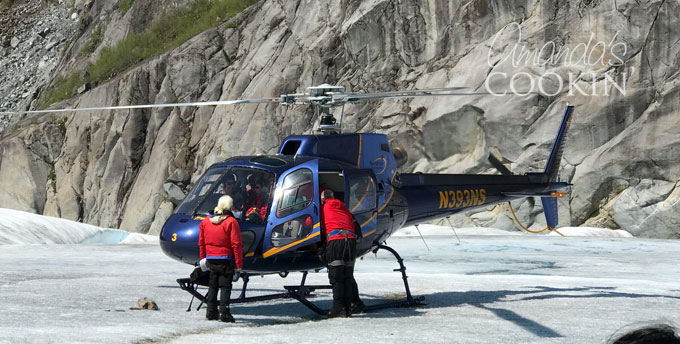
x=509, y=288
x=18, y=227
x=433, y=230
x=566, y=231
x=592, y=232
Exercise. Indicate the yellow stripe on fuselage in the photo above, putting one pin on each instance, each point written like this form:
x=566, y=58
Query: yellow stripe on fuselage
x=368, y=186
x=388, y=201
x=383, y=207
x=369, y=233
x=391, y=194
x=384, y=167
x=276, y=250
x=359, y=158
x=369, y=220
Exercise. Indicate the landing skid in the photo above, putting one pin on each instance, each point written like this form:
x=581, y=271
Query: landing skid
x=409, y=301
x=302, y=292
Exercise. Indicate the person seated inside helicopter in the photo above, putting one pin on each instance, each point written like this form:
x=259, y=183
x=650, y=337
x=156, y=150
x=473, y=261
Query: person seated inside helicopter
x=296, y=199
x=230, y=187
x=256, y=199
x=226, y=185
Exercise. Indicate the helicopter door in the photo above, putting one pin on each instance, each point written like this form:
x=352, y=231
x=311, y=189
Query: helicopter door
x=294, y=218
x=361, y=198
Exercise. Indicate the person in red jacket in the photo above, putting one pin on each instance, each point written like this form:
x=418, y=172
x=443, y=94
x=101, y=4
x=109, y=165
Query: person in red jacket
x=256, y=205
x=340, y=232
x=220, y=244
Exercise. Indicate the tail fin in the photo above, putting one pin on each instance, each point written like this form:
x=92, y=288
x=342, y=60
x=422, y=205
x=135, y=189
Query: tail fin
x=550, y=211
x=553, y=165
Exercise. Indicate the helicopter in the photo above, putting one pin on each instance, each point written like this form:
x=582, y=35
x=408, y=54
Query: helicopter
x=281, y=231
x=362, y=169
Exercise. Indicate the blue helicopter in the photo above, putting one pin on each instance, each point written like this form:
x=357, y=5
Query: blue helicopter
x=281, y=233
x=277, y=197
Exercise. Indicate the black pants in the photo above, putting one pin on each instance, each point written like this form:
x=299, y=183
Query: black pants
x=340, y=256
x=221, y=273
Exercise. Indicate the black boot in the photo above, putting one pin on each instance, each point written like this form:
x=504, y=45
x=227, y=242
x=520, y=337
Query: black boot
x=336, y=312
x=211, y=314
x=358, y=307
x=227, y=317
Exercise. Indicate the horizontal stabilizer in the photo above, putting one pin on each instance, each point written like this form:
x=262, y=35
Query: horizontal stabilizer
x=499, y=165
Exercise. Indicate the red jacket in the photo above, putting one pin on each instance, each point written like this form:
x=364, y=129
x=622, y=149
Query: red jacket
x=335, y=216
x=219, y=237
x=257, y=204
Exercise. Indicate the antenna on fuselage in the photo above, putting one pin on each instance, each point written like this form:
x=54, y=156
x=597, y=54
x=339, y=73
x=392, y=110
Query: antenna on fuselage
x=421, y=237
x=448, y=219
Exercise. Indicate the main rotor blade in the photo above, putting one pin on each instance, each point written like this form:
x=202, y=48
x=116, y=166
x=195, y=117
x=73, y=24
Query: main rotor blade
x=412, y=95
x=323, y=99
x=432, y=92
x=149, y=106
x=423, y=90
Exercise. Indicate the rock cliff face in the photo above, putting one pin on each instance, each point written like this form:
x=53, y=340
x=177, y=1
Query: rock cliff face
x=128, y=169
x=33, y=33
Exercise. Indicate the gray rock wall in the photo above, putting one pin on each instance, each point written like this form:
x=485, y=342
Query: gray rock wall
x=128, y=169
x=32, y=36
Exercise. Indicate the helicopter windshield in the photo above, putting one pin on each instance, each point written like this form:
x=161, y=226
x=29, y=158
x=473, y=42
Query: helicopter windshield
x=249, y=188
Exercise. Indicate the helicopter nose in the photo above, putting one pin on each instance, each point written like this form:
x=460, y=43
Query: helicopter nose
x=179, y=239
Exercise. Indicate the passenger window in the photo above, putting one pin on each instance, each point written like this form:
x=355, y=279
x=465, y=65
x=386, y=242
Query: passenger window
x=297, y=194
x=362, y=197
x=292, y=230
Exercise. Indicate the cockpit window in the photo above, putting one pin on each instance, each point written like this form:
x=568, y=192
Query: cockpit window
x=249, y=188
x=297, y=193
x=200, y=191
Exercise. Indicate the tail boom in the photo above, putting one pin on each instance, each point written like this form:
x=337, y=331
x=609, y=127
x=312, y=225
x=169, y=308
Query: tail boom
x=432, y=196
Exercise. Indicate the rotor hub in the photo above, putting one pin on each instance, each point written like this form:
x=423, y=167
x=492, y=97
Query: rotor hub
x=328, y=124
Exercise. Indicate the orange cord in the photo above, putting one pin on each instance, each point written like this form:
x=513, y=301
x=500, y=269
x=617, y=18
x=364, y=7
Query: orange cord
x=529, y=230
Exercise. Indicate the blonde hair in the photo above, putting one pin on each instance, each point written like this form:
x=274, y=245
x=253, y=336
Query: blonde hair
x=223, y=205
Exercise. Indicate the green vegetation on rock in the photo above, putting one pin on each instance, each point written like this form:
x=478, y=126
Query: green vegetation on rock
x=164, y=34
x=124, y=6
x=92, y=43
x=63, y=88
x=5, y=4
